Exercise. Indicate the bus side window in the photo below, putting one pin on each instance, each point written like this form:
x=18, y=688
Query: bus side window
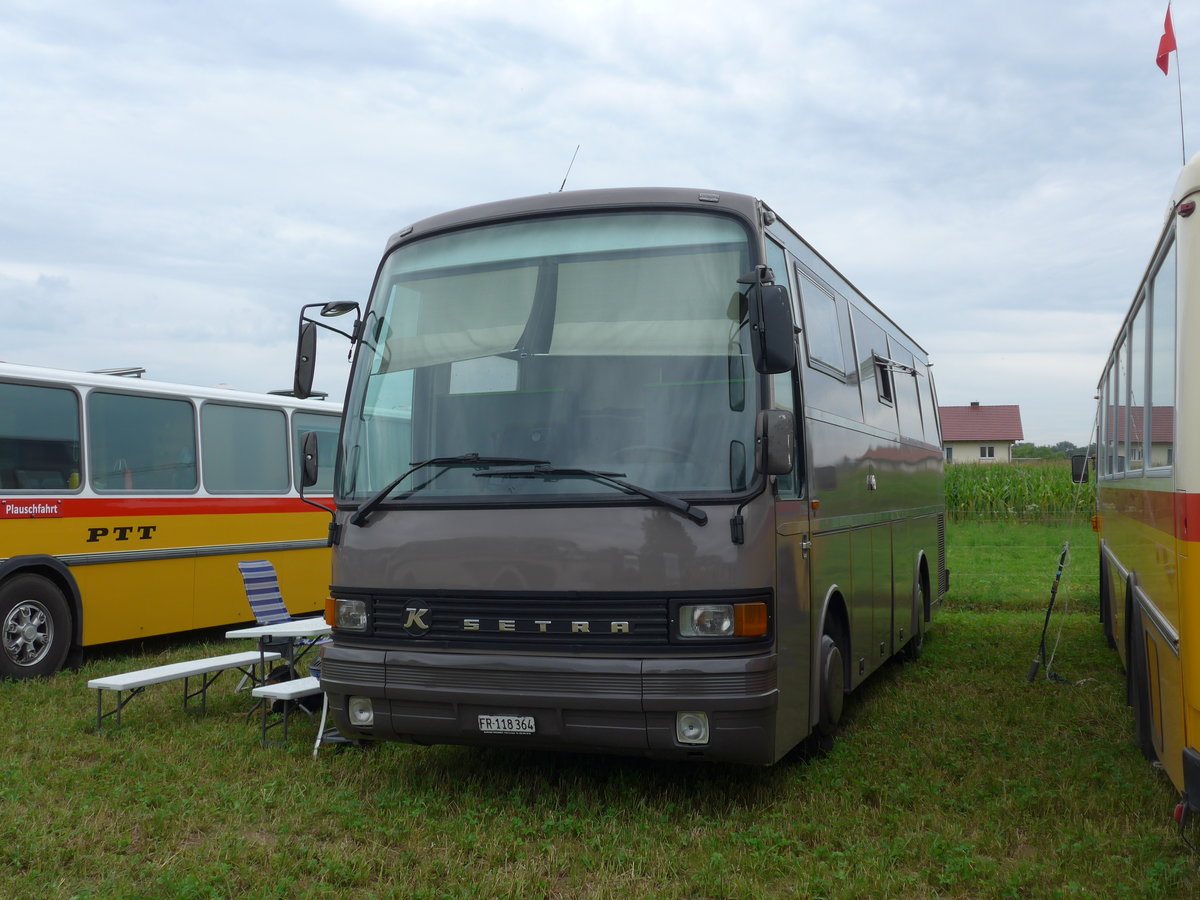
x=326, y=428
x=908, y=405
x=782, y=385
x=141, y=443
x=39, y=438
x=1161, y=427
x=875, y=377
x=783, y=388
x=245, y=449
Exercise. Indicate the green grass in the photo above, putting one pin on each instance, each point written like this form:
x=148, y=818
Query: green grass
x=954, y=777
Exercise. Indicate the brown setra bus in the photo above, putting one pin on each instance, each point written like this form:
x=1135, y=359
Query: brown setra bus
x=630, y=471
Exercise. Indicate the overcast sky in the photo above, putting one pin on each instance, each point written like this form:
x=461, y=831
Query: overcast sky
x=176, y=179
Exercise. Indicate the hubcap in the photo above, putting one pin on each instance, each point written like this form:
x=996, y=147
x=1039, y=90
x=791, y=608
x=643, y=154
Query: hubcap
x=28, y=633
x=833, y=684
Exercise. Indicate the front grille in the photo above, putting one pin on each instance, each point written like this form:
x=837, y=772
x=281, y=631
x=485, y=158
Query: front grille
x=548, y=622
x=559, y=623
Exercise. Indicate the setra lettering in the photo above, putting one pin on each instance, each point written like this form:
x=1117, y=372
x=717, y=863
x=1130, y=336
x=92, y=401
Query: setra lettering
x=546, y=626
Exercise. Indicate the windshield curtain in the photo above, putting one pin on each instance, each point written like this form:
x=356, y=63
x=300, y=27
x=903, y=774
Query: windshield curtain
x=613, y=342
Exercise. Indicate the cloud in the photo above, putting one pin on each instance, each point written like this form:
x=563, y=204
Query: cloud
x=179, y=179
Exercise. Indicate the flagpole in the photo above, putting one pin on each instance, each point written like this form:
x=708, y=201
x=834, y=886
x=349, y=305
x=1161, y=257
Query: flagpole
x=1166, y=46
x=1179, y=85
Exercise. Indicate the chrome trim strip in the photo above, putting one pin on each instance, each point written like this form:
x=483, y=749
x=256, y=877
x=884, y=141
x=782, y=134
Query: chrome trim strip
x=1122, y=572
x=126, y=556
x=1169, y=634
x=824, y=524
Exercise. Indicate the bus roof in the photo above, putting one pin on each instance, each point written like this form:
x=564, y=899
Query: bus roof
x=87, y=380
x=569, y=201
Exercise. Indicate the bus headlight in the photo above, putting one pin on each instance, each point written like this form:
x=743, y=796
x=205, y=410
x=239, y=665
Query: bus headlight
x=706, y=620
x=718, y=620
x=350, y=615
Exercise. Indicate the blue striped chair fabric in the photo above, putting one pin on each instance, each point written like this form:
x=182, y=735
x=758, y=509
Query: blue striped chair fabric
x=262, y=590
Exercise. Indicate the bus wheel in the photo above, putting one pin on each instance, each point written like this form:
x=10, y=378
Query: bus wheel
x=35, y=631
x=1137, y=679
x=832, y=693
x=916, y=644
x=1106, y=611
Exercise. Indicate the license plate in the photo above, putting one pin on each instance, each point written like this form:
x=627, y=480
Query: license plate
x=506, y=724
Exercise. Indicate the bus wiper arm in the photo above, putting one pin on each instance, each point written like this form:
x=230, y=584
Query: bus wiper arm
x=699, y=516
x=468, y=460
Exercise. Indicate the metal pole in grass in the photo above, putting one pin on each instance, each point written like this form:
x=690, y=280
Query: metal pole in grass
x=1040, y=659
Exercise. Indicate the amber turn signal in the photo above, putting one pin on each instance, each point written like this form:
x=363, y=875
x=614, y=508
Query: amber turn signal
x=750, y=619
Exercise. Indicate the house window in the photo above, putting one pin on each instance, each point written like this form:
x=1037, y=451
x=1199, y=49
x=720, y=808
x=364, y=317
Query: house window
x=949, y=454
x=987, y=452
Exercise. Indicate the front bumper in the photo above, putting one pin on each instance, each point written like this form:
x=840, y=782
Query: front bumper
x=585, y=704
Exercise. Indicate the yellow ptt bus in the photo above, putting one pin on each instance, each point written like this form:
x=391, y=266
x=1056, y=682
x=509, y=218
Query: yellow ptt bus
x=1148, y=496
x=125, y=505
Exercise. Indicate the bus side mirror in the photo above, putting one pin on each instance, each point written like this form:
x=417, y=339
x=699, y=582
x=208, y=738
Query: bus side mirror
x=308, y=459
x=1079, y=468
x=777, y=436
x=306, y=360
x=772, y=329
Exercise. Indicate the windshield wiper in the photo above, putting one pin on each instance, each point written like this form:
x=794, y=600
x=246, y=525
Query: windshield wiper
x=467, y=460
x=545, y=470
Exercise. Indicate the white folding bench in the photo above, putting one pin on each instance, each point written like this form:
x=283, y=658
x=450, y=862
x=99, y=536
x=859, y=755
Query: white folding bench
x=288, y=692
x=207, y=670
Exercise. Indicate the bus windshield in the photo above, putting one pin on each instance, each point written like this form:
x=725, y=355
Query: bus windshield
x=611, y=341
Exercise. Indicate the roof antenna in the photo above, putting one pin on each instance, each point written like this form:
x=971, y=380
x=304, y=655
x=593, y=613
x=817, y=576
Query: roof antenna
x=571, y=163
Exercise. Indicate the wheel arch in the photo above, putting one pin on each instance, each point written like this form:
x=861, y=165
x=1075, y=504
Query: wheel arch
x=57, y=573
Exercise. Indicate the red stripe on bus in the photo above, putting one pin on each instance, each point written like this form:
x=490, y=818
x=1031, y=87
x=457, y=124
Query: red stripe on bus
x=99, y=507
x=1187, y=517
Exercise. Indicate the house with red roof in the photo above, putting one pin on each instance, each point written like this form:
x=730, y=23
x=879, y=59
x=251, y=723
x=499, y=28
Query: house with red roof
x=980, y=434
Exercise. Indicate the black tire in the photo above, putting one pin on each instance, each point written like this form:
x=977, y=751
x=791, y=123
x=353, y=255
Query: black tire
x=831, y=693
x=912, y=651
x=35, y=627
x=1106, y=611
x=1138, y=686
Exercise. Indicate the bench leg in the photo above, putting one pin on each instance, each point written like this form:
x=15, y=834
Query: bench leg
x=289, y=706
x=115, y=713
x=202, y=692
x=267, y=724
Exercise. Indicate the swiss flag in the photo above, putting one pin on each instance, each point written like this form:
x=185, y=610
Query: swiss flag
x=1166, y=44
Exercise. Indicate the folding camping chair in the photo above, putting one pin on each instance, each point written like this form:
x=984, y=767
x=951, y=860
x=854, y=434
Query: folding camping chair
x=266, y=602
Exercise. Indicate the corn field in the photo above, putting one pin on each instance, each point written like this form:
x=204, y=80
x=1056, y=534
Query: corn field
x=1016, y=491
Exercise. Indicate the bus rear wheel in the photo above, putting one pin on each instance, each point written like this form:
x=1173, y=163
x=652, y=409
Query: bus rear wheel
x=831, y=693
x=35, y=629
x=912, y=651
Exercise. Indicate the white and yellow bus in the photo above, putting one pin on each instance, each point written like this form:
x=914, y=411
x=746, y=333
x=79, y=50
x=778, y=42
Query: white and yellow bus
x=125, y=505
x=1148, y=495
